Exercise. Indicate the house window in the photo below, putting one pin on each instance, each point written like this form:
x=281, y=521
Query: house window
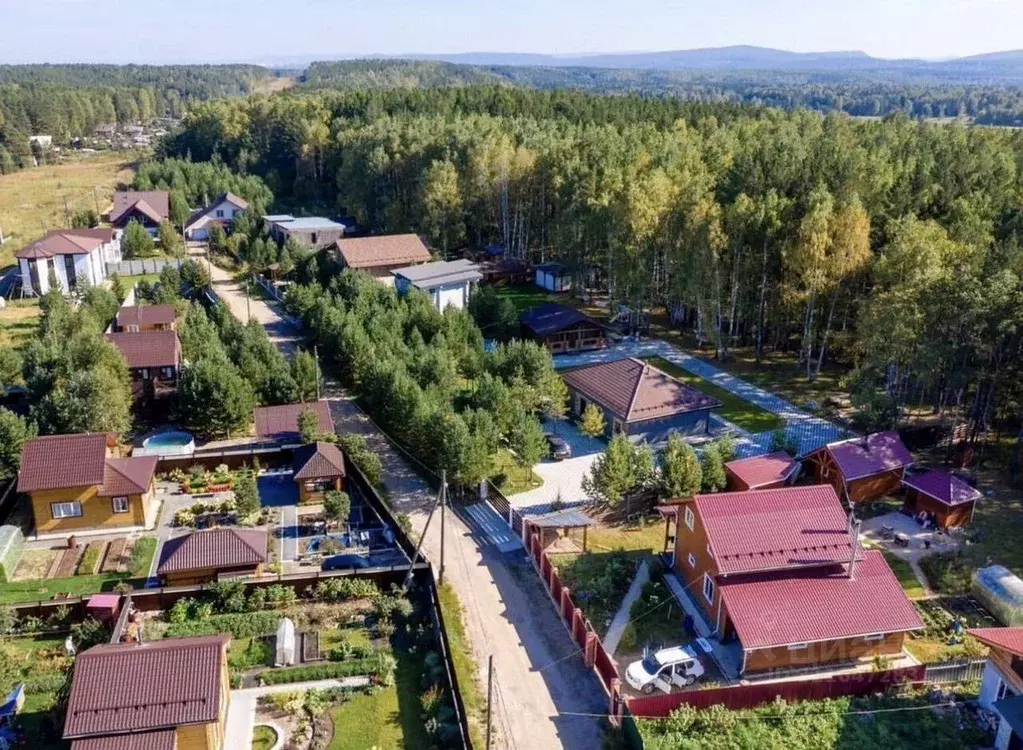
x=66, y=510
x=145, y=374
x=220, y=213
x=690, y=518
x=708, y=588
x=313, y=236
x=1002, y=691
x=133, y=329
x=692, y=560
x=874, y=637
x=617, y=427
x=798, y=646
x=121, y=505
x=168, y=372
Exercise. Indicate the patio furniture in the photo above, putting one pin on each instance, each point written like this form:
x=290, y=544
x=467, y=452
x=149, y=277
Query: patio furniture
x=902, y=539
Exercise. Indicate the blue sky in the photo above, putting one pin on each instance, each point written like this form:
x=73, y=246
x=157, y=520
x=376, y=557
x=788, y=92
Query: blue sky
x=258, y=30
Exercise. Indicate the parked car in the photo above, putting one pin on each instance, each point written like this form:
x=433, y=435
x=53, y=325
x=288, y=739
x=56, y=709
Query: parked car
x=660, y=670
x=344, y=562
x=558, y=447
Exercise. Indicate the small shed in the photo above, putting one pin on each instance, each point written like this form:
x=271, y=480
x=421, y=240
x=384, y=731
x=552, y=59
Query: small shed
x=553, y=276
x=104, y=607
x=863, y=469
x=285, y=656
x=562, y=329
x=560, y=521
x=761, y=472
x=942, y=495
x=1001, y=592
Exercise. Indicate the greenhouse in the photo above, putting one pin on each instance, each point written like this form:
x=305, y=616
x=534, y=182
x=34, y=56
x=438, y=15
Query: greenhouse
x=1001, y=592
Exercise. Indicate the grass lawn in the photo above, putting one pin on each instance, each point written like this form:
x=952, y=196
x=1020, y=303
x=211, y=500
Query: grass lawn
x=465, y=665
x=130, y=281
x=526, y=295
x=735, y=409
x=907, y=578
x=32, y=200
x=645, y=534
x=41, y=663
x=509, y=477
x=936, y=643
x=247, y=653
x=389, y=717
x=18, y=322
x=334, y=637
x=263, y=737
x=30, y=591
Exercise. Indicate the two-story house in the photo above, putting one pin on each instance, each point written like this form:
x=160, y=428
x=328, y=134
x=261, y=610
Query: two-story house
x=153, y=358
x=80, y=482
x=140, y=318
x=70, y=256
x=220, y=212
x=1001, y=687
x=379, y=256
x=781, y=573
x=161, y=695
x=148, y=207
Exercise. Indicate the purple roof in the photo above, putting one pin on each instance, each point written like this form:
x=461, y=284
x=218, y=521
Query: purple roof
x=943, y=486
x=874, y=454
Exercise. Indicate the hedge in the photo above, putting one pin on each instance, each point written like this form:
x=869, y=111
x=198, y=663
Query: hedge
x=245, y=625
x=328, y=671
x=12, y=544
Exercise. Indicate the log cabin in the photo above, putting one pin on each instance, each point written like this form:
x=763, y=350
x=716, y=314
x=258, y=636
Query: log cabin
x=942, y=496
x=863, y=469
x=562, y=329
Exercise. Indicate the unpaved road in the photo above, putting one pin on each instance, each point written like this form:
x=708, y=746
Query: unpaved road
x=542, y=682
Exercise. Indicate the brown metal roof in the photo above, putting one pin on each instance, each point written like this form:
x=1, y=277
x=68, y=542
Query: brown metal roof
x=148, y=348
x=216, y=548
x=239, y=203
x=148, y=315
x=67, y=242
x=128, y=476
x=318, y=461
x=161, y=739
x=635, y=391
x=153, y=203
x=62, y=461
x=387, y=250
x=132, y=687
x=281, y=422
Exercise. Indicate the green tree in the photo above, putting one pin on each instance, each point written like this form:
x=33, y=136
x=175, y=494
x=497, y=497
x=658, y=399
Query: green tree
x=179, y=210
x=337, y=506
x=213, y=398
x=305, y=373
x=136, y=242
x=246, y=495
x=14, y=431
x=86, y=218
x=309, y=426
x=170, y=240
x=618, y=471
x=527, y=441
x=713, y=469
x=681, y=473
x=442, y=205
x=592, y=422
x=117, y=287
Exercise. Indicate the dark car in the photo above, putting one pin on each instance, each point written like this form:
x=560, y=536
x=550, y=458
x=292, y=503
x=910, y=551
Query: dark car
x=345, y=562
x=558, y=447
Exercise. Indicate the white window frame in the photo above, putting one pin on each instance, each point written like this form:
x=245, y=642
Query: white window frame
x=874, y=637
x=692, y=560
x=708, y=582
x=798, y=646
x=57, y=510
x=1002, y=690
x=690, y=518
x=132, y=329
x=145, y=373
x=120, y=504
x=168, y=372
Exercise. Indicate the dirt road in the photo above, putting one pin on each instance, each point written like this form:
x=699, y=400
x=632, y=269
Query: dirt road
x=542, y=683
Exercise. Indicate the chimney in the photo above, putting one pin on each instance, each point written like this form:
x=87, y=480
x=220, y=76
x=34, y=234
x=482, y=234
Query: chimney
x=854, y=528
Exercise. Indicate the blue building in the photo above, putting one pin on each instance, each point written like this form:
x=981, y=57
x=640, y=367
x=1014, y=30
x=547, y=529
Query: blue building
x=639, y=400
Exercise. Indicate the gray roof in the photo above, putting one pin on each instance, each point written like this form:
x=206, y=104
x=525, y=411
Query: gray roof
x=563, y=519
x=441, y=273
x=312, y=222
x=275, y=218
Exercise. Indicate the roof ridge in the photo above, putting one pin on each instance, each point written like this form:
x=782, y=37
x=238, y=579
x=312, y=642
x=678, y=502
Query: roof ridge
x=639, y=384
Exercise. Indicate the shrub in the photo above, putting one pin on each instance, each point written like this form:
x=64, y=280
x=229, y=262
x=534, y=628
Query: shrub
x=227, y=596
x=948, y=572
x=341, y=589
x=8, y=620
x=328, y=671
x=248, y=625
x=628, y=639
x=89, y=633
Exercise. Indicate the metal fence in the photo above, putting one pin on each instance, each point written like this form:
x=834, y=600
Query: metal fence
x=956, y=671
x=141, y=266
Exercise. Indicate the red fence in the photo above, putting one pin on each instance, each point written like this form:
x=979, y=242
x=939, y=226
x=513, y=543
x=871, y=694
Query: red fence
x=750, y=696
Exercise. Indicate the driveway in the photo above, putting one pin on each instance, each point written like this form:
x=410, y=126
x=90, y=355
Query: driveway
x=561, y=478
x=278, y=490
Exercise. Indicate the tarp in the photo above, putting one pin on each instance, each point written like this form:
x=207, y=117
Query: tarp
x=285, y=643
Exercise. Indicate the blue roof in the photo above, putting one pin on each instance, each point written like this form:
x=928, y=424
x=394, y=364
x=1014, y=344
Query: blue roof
x=552, y=266
x=552, y=317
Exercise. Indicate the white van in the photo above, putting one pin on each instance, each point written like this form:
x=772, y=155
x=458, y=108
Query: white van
x=662, y=669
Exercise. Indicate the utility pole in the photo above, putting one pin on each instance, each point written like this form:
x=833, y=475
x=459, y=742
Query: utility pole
x=490, y=694
x=419, y=545
x=248, y=309
x=95, y=200
x=443, y=503
x=316, y=361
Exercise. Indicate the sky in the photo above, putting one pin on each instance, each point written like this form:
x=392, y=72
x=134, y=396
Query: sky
x=180, y=31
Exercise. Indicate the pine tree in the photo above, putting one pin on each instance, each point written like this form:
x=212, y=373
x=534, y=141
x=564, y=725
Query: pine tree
x=681, y=473
x=592, y=423
x=713, y=469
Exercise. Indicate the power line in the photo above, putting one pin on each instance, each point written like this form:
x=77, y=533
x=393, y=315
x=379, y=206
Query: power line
x=778, y=717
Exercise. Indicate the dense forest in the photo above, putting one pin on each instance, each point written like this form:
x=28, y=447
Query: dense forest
x=69, y=101
x=965, y=93
x=893, y=246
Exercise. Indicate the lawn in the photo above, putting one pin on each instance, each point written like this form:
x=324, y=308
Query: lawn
x=526, y=296
x=18, y=322
x=32, y=201
x=263, y=737
x=509, y=477
x=643, y=534
x=907, y=578
x=30, y=591
x=465, y=665
x=598, y=581
x=735, y=409
x=41, y=663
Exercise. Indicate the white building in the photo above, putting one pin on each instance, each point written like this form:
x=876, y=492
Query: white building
x=448, y=282
x=72, y=255
x=1001, y=688
x=220, y=212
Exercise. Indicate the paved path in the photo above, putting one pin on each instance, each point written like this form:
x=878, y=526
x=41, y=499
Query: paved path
x=621, y=619
x=241, y=714
x=540, y=677
x=810, y=431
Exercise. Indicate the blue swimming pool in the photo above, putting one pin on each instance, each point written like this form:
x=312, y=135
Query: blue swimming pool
x=172, y=443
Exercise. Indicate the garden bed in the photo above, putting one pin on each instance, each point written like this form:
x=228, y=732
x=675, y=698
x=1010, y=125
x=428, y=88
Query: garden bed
x=938, y=643
x=598, y=582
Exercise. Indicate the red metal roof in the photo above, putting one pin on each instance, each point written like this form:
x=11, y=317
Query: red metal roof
x=128, y=476
x=384, y=250
x=132, y=687
x=318, y=461
x=869, y=455
x=216, y=548
x=140, y=315
x=823, y=604
x=281, y=422
x=161, y=739
x=1007, y=639
x=763, y=470
x=943, y=486
x=62, y=461
x=635, y=391
x=154, y=204
x=790, y=527
x=148, y=348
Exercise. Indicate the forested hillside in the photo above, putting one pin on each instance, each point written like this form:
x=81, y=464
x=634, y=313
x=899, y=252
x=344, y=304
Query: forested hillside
x=67, y=101
x=957, y=90
x=893, y=245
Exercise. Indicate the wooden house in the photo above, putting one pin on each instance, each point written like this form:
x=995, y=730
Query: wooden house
x=380, y=255
x=154, y=361
x=863, y=469
x=942, y=496
x=150, y=208
x=319, y=468
x=209, y=555
x=562, y=329
x=761, y=472
x=1001, y=688
x=141, y=318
